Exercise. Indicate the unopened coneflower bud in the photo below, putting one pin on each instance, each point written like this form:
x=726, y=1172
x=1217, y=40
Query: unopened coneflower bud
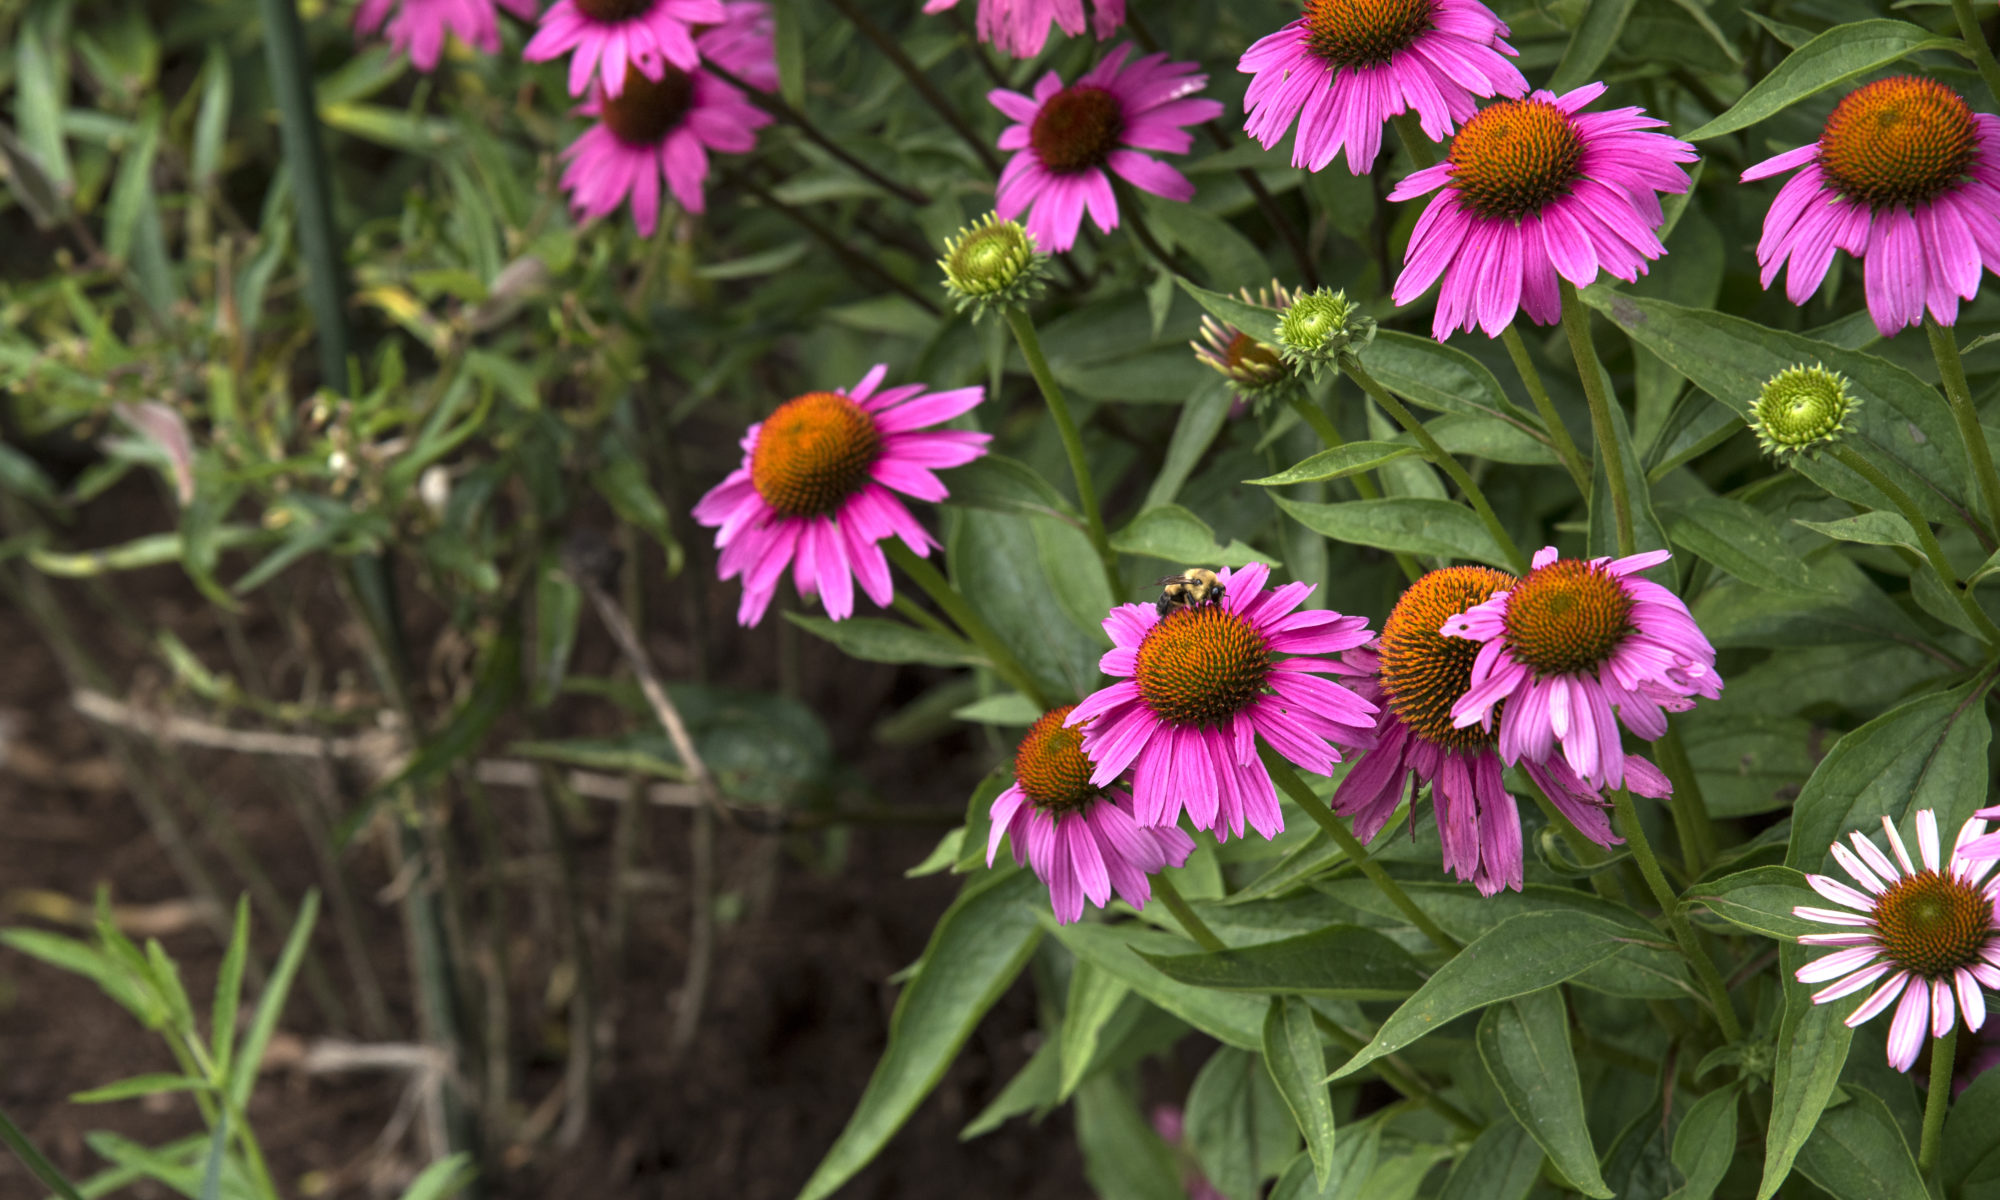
x=1255, y=369
x=1317, y=326
x=992, y=263
x=1800, y=408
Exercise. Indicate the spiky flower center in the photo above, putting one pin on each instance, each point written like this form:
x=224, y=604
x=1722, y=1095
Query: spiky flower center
x=1933, y=924
x=1568, y=616
x=1050, y=766
x=1364, y=33
x=1801, y=407
x=1423, y=672
x=988, y=257
x=1903, y=140
x=1077, y=128
x=813, y=453
x=1315, y=322
x=1201, y=665
x=611, y=11
x=648, y=109
x=1515, y=157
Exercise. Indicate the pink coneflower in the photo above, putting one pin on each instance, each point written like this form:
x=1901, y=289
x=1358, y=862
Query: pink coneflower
x=1569, y=643
x=1932, y=931
x=419, y=27
x=1415, y=674
x=1080, y=838
x=1347, y=66
x=1535, y=188
x=1067, y=136
x=1021, y=27
x=1983, y=847
x=814, y=490
x=604, y=37
x=666, y=126
x=1202, y=683
x=1904, y=177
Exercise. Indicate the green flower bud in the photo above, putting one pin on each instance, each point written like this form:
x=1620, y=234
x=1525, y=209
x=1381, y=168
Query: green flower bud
x=992, y=263
x=1800, y=408
x=1317, y=326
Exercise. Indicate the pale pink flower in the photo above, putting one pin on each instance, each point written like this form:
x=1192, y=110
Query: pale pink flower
x=1021, y=27
x=605, y=37
x=419, y=27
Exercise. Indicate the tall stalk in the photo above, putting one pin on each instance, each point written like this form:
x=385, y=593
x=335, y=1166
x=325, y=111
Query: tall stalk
x=1944, y=347
x=1072, y=440
x=1531, y=379
x=1576, y=323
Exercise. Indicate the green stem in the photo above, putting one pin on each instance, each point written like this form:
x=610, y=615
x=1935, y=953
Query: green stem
x=934, y=584
x=1670, y=904
x=1975, y=38
x=1288, y=779
x=1196, y=928
x=1691, y=821
x=1944, y=1056
x=1315, y=416
x=1392, y=1070
x=1422, y=150
x=1072, y=440
x=1944, y=347
x=1847, y=457
x=1576, y=323
x=1440, y=457
x=1531, y=378
x=298, y=121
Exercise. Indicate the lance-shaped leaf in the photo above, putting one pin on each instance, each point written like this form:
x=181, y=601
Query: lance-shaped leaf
x=1297, y=1062
x=1344, y=961
x=1525, y=1046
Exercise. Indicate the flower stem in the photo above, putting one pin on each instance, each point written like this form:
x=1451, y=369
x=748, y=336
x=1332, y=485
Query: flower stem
x=1196, y=928
x=1670, y=904
x=1944, y=1055
x=1975, y=38
x=1847, y=457
x=1531, y=378
x=312, y=188
x=1439, y=456
x=1576, y=323
x=1072, y=440
x=934, y=584
x=1944, y=347
x=893, y=51
x=1288, y=779
x=1422, y=150
x=1691, y=821
x=1315, y=416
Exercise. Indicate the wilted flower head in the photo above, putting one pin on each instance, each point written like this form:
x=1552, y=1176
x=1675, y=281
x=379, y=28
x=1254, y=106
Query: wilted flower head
x=1255, y=369
x=1800, y=408
x=1318, y=325
x=1347, y=66
x=992, y=264
x=1906, y=177
x=1932, y=930
x=1081, y=839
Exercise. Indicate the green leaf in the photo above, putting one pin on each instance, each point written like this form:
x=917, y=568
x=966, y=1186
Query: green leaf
x=211, y=122
x=1647, y=532
x=1032, y=1089
x=1001, y=484
x=443, y=1178
x=31, y=1158
x=1868, y=529
x=621, y=480
x=140, y=1085
x=229, y=993
x=1746, y=542
x=1858, y=1153
x=1970, y=1153
x=39, y=86
x=218, y=1152
x=1501, y=1164
x=873, y=639
x=558, y=611
x=1228, y=1018
x=1201, y=419
x=1705, y=1144
x=1123, y=1158
x=1520, y=955
x=493, y=692
x=977, y=948
x=271, y=1005
x=1005, y=708
x=1297, y=1062
x=149, y=551
x=1347, y=1175
x=1525, y=1046
x=80, y=958
x=1812, y=1048
x=1344, y=961
x=1237, y=1124
x=1173, y=533
x=1929, y=752
x=24, y=477
x=1430, y=374
x=993, y=559
x=1094, y=996
x=1841, y=53
x=943, y=856
x=790, y=39
x=1602, y=22
x=1254, y=319
x=1760, y=900
x=1418, y=525
x=1902, y=425
x=1338, y=463
x=1215, y=245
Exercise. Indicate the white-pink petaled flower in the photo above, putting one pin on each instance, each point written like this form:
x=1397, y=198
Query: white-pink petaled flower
x=1572, y=642
x=604, y=37
x=1926, y=937
x=1021, y=27
x=1983, y=847
x=419, y=27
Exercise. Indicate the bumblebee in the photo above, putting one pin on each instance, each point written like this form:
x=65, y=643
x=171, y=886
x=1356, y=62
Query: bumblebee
x=1196, y=585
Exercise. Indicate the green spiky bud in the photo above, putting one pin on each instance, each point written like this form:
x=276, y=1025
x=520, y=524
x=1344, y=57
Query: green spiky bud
x=1318, y=325
x=1800, y=408
x=992, y=263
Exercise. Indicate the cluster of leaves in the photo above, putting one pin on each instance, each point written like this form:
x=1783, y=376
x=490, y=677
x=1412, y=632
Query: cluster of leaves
x=515, y=375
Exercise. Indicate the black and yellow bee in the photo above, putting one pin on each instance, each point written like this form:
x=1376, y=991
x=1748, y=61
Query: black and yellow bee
x=1196, y=585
